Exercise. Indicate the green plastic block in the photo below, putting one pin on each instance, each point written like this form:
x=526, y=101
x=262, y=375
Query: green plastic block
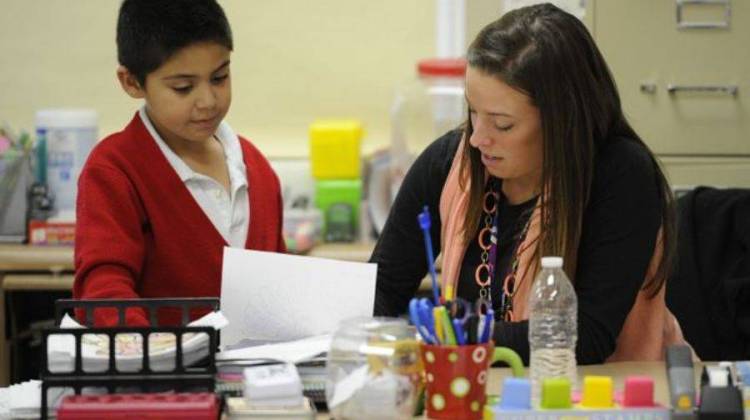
x=338, y=200
x=556, y=393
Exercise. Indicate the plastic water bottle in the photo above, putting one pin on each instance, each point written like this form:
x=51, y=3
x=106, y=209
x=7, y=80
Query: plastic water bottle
x=553, y=327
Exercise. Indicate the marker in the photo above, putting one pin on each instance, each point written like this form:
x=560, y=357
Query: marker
x=681, y=378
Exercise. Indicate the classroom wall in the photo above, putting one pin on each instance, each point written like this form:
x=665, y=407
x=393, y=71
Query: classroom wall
x=294, y=61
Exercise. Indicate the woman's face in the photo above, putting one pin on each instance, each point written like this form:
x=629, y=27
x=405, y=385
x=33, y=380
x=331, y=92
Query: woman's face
x=507, y=129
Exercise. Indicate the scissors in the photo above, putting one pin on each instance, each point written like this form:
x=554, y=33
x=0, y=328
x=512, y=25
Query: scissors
x=460, y=312
x=420, y=312
x=472, y=326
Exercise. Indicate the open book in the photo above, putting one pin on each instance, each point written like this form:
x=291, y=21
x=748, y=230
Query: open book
x=129, y=348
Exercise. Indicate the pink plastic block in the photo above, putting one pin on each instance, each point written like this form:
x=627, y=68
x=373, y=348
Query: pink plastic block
x=639, y=392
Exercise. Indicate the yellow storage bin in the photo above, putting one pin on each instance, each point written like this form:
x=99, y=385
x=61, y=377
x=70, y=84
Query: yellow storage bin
x=335, y=149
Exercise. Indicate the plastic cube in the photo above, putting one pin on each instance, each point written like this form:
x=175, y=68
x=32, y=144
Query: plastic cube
x=339, y=201
x=335, y=149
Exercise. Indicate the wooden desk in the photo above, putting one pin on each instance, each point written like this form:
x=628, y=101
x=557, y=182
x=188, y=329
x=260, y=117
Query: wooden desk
x=24, y=267
x=359, y=252
x=44, y=268
x=36, y=258
x=49, y=268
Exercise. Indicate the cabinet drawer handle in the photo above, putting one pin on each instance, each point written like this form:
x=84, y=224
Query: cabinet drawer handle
x=728, y=89
x=682, y=23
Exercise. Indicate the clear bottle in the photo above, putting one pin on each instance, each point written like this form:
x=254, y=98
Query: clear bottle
x=425, y=109
x=553, y=326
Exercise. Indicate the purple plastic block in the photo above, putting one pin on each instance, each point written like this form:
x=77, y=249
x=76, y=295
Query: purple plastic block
x=516, y=394
x=639, y=392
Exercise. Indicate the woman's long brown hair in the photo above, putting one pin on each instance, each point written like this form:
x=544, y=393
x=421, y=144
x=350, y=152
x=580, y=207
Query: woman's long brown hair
x=550, y=56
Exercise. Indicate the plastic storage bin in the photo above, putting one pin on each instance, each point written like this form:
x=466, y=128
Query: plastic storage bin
x=339, y=200
x=425, y=109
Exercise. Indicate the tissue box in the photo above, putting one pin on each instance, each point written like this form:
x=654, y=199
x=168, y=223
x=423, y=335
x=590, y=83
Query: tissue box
x=335, y=149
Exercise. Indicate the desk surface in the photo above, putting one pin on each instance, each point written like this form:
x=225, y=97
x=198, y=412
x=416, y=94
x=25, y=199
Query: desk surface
x=32, y=282
x=60, y=258
x=33, y=258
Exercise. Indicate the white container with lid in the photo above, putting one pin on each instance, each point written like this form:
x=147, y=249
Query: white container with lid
x=70, y=135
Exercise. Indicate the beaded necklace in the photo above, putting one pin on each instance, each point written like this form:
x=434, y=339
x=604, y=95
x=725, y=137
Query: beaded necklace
x=486, y=269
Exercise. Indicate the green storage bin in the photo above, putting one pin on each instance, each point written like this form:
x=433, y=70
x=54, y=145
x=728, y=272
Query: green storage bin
x=339, y=201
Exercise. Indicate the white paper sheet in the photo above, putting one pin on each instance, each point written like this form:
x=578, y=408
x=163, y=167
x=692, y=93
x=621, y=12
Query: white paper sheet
x=289, y=352
x=279, y=297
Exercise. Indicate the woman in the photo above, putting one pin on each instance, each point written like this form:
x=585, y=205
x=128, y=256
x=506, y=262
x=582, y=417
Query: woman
x=548, y=161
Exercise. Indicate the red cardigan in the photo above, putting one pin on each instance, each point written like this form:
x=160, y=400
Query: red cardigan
x=139, y=232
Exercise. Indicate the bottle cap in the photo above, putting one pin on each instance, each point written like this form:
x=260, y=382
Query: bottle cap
x=442, y=67
x=552, y=262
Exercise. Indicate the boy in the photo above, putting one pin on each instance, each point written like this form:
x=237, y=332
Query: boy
x=158, y=201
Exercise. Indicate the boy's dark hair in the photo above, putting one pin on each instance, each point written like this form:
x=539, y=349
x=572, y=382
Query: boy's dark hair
x=149, y=32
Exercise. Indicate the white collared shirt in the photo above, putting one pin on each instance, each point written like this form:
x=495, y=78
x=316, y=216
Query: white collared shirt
x=229, y=213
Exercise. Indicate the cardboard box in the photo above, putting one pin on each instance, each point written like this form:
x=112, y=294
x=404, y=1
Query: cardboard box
x=51, y=233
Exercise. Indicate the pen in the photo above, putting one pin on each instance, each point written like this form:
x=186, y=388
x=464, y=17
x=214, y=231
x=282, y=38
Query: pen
x=417, y=321
x=424, y=224
x=426, y=318
x=458, y=329
x=488, y=320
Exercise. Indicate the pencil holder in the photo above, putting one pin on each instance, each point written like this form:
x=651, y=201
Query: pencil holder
x=456, y=378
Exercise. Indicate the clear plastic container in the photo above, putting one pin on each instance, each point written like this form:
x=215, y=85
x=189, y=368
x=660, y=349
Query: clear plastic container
x=373, y=370
x=553, y=326
x=70, y=134
x=425, y=109
x=302, y=229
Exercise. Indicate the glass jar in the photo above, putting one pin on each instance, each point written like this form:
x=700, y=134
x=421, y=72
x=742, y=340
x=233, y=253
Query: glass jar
x=423, y=110
x=373, y=370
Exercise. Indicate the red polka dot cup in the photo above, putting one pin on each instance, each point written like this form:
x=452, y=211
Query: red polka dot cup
x=456, y=378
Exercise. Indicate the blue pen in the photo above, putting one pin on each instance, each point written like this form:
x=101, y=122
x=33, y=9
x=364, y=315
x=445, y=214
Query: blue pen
x=424, y=223
x=459, y=330
x=486, y=324
x=427, y=319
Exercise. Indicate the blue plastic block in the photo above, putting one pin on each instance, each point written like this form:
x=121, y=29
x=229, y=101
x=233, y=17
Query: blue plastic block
x=516, y=394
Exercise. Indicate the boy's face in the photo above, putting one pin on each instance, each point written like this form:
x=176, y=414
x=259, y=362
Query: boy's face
x=189, y=95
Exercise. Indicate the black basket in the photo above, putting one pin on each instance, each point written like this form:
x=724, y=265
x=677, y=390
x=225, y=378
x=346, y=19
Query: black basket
x=199, y=377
